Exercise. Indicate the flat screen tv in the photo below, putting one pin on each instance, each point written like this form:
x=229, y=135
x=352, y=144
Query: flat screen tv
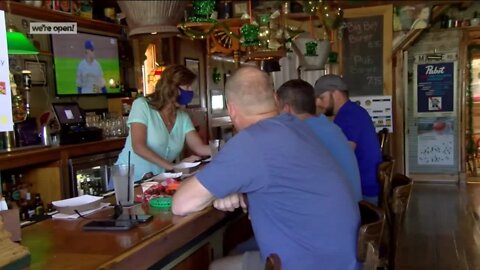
x=86, y=64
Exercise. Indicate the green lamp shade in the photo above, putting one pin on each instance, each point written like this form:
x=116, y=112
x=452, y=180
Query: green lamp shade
x=18, y=43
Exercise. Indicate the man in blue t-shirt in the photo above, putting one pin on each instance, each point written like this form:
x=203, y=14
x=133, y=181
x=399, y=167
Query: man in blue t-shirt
x=297, y=97
x=299, y=200
x=355, y=122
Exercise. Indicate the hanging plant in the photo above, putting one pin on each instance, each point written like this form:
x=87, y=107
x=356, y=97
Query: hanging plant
x=330, y=17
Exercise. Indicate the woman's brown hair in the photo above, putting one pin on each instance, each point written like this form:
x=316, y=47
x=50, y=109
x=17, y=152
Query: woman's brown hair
x=166, y=89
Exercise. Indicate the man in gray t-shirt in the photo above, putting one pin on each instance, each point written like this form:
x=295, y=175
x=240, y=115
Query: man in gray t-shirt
x=300, y=204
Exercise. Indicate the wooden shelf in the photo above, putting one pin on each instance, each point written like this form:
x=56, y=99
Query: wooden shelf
x=263, y=55
x=57, y=16
x=301, y=16
x=234, y=22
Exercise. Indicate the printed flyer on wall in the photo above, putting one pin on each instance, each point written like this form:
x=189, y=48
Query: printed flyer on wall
x=379, y=108
x=435, y=141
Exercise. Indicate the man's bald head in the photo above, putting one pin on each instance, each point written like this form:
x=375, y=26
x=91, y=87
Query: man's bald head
x=251, y=90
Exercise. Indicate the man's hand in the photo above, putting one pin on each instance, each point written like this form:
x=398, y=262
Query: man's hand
x=231, y=202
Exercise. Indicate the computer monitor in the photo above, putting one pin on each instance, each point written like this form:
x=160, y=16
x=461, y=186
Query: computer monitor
x=69, y=114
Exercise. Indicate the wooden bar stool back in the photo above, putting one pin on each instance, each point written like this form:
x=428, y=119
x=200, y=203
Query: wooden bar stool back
x=273, y=262
x=371, y=229
x=372, y=261
x=385, y=173
x=401, y=190
x=384, y=140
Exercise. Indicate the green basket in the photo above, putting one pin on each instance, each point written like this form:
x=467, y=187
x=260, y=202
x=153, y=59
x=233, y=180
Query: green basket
x=163, y=202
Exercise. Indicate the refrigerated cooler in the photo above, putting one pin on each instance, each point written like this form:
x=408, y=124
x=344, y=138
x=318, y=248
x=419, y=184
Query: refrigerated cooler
x=89, y=174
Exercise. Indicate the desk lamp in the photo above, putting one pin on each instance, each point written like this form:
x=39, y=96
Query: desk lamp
x=17, y=42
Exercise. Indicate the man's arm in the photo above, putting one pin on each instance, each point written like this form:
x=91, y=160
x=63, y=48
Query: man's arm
x=191, y=197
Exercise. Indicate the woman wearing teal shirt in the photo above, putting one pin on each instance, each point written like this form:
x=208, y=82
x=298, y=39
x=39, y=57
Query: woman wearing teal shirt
x=158, y=128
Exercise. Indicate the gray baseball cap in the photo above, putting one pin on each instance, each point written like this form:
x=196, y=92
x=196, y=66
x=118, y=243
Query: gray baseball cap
x=329, y=82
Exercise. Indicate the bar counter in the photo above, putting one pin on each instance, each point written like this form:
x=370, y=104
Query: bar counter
x=62, y=244
x=33, y=155
x=47, y=169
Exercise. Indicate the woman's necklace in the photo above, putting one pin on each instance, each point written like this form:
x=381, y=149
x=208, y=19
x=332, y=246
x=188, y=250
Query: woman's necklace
x=168, y=118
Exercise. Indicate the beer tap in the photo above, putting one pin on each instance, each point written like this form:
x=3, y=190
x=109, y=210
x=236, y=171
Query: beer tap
x=27, y=84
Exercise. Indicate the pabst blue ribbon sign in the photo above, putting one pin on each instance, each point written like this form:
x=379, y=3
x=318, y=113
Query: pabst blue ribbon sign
x=436, y=88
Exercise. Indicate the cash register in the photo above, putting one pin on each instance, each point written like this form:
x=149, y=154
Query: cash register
x=73, y=126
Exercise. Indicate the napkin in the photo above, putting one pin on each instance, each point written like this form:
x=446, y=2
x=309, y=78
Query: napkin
x=186, y=165
x=165, y=175
x=84, y=213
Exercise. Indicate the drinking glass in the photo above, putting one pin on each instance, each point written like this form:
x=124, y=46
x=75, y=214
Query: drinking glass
x=122, y=177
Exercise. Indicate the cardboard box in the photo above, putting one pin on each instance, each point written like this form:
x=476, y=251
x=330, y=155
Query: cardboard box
x=11, y=223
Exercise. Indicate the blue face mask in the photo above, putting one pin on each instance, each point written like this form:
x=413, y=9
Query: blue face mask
x=185, y=96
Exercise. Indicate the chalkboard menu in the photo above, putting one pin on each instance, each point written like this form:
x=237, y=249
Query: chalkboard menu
x=363, y=55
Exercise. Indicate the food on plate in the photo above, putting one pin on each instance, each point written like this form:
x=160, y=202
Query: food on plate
x=164, y=188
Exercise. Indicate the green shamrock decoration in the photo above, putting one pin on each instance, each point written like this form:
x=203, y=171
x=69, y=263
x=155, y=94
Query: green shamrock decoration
x=216, y=75
x=202, y=9
x=250, y=34
x=311, y=48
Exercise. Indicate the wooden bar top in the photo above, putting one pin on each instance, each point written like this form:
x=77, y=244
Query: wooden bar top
x=20, y=157
x=62, y=244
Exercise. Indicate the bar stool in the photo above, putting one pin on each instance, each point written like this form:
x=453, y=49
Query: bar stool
x=384, y=140
x=385, y=173
x=273, y=262
x=371, y=261
x=370, y=233
x=401, y=189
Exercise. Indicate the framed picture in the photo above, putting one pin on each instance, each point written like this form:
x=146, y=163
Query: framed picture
x=38, y=69
x=194, y=66
x=411, y=17
x=239, y=8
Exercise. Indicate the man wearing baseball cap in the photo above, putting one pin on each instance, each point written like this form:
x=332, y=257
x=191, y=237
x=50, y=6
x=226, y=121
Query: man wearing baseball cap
x=332, y=99
x=89, y=73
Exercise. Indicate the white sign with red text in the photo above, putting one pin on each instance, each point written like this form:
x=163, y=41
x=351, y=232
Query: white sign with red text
x=6, y=121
